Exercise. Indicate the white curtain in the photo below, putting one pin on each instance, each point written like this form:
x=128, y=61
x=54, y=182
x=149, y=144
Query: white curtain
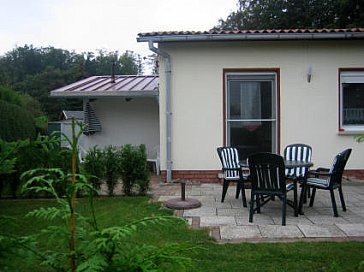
x=250, y=100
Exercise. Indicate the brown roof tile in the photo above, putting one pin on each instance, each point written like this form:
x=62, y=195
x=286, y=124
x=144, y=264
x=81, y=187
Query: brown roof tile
x=257, y=31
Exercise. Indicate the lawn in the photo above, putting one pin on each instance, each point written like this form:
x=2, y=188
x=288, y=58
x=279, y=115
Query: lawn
x=210, y=256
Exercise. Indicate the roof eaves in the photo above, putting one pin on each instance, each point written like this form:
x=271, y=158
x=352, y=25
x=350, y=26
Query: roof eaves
x=294, y=34
x=82, y=94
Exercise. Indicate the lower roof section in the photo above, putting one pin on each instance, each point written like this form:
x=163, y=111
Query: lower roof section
x=119, y=85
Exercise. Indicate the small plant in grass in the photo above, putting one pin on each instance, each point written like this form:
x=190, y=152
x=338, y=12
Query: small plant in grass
x=134, y=170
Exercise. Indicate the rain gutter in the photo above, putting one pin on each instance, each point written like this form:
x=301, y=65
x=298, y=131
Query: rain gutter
x=249, y=37
x=167, y=71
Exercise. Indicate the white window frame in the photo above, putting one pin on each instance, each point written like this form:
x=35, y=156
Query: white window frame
x=349, y=76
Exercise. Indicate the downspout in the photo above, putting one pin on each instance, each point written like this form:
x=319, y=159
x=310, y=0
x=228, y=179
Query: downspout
x=167, y=71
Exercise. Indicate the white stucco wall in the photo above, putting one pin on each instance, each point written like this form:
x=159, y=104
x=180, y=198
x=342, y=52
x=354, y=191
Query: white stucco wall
x=308, y=111
x=134, y=122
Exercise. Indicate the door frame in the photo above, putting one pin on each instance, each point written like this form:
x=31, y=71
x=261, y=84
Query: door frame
x=252, y=70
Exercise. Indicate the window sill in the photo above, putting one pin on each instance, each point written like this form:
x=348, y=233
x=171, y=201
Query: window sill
x=351, y=132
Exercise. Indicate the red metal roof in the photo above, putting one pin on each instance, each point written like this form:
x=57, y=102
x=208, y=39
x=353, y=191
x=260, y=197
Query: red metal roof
x=122, y=85
x=264, y=34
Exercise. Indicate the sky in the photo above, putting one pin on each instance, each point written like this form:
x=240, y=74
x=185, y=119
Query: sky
x=112, y=25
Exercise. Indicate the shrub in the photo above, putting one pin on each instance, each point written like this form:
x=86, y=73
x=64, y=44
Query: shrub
x=43, y=152
x=111, y=158
x=16, y=122
x=94, y=166
x=134, y=170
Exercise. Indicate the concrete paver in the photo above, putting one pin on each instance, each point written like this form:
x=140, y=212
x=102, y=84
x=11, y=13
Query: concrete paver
x=232, y=232
x=279, y=231
x=321, y=231
x=352, y=229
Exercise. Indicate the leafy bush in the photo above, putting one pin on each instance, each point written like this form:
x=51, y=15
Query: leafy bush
x=134, y=170
x=20, y=115
x=16, y=122
x=10, y=96
x=111, y=158
x=94, y=166
x=43, y=152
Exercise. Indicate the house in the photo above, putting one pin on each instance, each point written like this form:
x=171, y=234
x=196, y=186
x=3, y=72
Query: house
x=69, y=114
x=65, y=124
x=258, y=90
x=118, y=110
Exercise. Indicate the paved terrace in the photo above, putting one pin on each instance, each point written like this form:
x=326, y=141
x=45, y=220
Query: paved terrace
x=228, y=221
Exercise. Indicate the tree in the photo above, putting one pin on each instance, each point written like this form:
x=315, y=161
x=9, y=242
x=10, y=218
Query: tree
x=128, y=63
x=36, y=71
x=288, y=14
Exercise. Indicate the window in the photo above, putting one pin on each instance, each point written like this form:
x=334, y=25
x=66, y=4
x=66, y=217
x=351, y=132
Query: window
x=251, y=122
x=352, y=101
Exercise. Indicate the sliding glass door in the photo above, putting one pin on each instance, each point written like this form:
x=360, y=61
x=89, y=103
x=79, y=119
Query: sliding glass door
x=251, y=112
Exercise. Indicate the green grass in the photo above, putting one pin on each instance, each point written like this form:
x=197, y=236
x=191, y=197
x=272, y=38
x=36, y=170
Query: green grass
x=116, y=211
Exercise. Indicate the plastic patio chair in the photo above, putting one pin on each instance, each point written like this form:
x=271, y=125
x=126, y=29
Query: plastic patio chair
x=329, y=180
x=267, y=175
x=298, y=152
x=232, y=171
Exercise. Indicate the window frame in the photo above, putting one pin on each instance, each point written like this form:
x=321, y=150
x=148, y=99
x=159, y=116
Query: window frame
x=345, y=73
x=260, y=75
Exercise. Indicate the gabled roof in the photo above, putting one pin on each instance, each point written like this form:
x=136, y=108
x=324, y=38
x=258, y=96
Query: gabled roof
x=265, y=34
x=120, y=85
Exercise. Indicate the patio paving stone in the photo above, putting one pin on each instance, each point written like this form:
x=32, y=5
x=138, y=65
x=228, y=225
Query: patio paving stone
x=279, y=231
x=321, y=231
x=239, y=232
x=232, y=212
x=203, y=211
x=257, y=220
x=327, y=220
x=216, y=220
x=352, y=229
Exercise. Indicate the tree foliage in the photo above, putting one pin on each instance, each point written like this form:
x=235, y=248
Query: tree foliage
x=16, y=121
x=288, y=14
x=37, y=71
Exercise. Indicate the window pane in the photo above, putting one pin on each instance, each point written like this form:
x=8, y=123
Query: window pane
x=353, y=103
x=250, y=100
x=251, y=137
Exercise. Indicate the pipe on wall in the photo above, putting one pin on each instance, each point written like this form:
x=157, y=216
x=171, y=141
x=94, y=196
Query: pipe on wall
x=167, y=60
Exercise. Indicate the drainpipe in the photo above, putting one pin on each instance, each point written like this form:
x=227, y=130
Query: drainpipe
x=167, y=60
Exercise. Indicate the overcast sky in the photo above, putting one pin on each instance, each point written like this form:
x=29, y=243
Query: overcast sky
x=87, y=25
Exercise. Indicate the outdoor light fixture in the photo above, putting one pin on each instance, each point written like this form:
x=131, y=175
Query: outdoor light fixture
x=309, y=74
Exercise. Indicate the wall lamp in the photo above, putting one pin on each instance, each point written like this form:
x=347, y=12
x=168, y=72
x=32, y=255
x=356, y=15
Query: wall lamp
x=309, y=74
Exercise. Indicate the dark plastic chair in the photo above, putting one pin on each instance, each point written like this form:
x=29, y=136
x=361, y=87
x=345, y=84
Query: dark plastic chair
x=267, y=175
x=329, y=180
x=232, y=171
